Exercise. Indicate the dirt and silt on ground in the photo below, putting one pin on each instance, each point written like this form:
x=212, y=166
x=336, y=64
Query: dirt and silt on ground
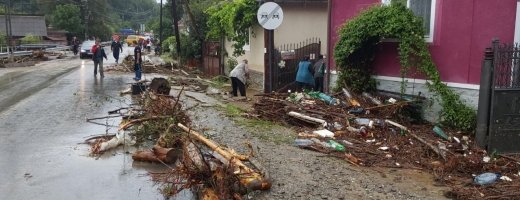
x=412, y=171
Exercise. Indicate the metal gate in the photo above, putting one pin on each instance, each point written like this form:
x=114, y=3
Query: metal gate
x=504, y=116
x=287, y=58
x=211, y=58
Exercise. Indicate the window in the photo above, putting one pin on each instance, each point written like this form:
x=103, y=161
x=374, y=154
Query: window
x=424, y=9
x=247, y=46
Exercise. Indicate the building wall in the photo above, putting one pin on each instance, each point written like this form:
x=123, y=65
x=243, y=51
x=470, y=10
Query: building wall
x=463, y=29
x=301, y=21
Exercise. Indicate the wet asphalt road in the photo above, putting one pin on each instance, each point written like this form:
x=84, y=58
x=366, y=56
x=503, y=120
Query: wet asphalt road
x=42, y=128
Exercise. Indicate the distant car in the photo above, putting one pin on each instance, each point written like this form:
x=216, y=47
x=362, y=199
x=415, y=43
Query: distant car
x=84, y=49
x=131, y=38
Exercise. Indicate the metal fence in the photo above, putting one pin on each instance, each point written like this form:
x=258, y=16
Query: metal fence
x=287, y=58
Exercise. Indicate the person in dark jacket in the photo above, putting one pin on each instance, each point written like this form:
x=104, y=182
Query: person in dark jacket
x=98, y=53
x=75, y=44
x=116, y=48
x=304, y=77
x=318, y=75
x=137, y=60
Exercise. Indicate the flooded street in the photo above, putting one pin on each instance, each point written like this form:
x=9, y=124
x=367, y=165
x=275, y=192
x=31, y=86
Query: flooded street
x=43, y=126
x=43, y=111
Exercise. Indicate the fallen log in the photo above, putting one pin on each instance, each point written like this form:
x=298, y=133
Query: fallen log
x=246, y=174
x=157, y=154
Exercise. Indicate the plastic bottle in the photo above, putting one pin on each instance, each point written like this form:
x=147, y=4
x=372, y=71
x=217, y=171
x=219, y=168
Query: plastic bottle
x=336, y=145
x=349, y=97
x=378, y=122
x=326, y=98
x=352, y=129
x=374, y=100
x=324, y=144
x=439, y=132
x=303, y=142
x=443, y=149
x=362, y=121
x=486, y=178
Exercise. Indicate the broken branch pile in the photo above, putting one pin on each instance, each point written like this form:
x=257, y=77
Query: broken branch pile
x=389, y=135
x=222, y=172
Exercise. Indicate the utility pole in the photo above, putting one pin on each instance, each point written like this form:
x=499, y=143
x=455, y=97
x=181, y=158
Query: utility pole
x=160, y=26
x=86, y=18
x=6, y=29
x=176, y=26
x=11, y=58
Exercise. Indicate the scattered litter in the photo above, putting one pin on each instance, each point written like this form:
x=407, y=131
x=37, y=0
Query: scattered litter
x=383, y=148
x=324, y=133
x=505, y=178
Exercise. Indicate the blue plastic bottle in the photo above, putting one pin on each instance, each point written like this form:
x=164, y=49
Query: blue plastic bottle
x=486, y=178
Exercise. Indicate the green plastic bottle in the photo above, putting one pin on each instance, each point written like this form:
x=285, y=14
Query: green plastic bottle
x=336, y=145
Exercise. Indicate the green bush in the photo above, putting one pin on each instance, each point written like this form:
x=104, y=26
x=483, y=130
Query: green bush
x=31, y=39
x=190, y=48
x=231, y=63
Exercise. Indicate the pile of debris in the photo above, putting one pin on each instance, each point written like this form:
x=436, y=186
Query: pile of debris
x=380, y=131
x=194, y=161
x=25, y=61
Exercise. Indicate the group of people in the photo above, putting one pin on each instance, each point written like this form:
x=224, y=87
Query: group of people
x=310, y=76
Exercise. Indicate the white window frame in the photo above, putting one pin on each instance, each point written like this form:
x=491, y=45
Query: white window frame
x=427, y=38
x=247, y=46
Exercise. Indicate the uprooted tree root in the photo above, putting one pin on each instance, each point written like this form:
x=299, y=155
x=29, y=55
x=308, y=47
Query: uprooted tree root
x=417, y=148
x=194, y=172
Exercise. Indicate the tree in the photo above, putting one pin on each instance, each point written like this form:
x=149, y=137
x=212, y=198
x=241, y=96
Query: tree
x=232, y=20
x=66, y=17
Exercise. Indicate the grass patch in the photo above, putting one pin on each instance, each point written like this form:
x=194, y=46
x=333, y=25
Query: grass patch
x=231, y=110
x=262, y=129
x=219, y=81
x=167, y=58
x=269, y=131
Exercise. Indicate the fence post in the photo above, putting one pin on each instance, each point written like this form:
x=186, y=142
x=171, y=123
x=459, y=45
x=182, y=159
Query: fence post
x=484, y=99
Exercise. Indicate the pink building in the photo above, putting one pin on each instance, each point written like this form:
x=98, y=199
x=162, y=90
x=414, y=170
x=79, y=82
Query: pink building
x=458, y=33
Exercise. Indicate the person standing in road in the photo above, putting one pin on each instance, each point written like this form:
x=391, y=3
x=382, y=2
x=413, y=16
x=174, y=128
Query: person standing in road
x=238, y=78
x=116, y=48
x=304, y=74
x=75, y=45
x=98, y=53
x=319, y=71
x=137, y=60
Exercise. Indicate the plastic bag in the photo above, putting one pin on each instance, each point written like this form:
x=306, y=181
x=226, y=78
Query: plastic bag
x=120, y=138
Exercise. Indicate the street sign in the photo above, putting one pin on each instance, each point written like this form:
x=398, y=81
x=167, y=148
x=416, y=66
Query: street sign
x=270, y=15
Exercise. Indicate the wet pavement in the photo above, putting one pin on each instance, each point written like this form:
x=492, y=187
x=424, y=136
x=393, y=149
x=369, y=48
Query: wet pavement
x=43, y=111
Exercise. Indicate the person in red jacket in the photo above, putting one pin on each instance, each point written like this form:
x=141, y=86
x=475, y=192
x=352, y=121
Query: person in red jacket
x=98, y=53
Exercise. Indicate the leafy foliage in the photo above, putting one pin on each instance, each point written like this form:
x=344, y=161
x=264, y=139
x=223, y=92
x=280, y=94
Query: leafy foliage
x=360, y=35
x=31, y=39
x=190, y=48
x=232, y=20
x=65, y=17
x=231, y=63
